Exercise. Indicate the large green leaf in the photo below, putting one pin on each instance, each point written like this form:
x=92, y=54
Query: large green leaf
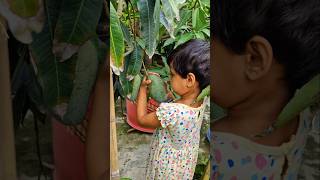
x=308, y=95
x=116, y=42
x=125, y=84
x=85, y=76
x=25, y=8
x=55, y=78
x=135, y=62
x=127, y=35
x=205, y=92
x=136, y=86
x=185, y=17
x=184, y=38
x=170, y=9
x=168, y=25
x=78, y=20
x=198, y=19
x=149, y=25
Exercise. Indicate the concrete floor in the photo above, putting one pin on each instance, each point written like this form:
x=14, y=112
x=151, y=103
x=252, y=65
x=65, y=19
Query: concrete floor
x=133, y=148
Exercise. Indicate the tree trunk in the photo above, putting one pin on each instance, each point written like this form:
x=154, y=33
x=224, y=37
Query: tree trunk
x=7, y=147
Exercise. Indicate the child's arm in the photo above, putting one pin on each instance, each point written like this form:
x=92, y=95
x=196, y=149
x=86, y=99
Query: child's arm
x=145, y=119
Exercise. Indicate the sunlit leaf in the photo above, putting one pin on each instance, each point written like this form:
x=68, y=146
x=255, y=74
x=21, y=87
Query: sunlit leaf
x=308, y=95
x=184, y=38
x=149, y=25
x=116, y=42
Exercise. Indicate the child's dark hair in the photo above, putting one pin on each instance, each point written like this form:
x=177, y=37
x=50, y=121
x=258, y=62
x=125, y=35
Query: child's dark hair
x=292, y=27
x=192, y=57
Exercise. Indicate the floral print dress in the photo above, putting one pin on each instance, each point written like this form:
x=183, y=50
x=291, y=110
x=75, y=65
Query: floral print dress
x=174, y=146
x=237, y=158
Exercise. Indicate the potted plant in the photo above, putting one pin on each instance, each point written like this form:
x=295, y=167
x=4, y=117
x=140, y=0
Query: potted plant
x=143, y=33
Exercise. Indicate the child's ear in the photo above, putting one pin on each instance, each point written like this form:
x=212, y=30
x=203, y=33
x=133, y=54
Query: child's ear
x=191, y=80
x=259, y=57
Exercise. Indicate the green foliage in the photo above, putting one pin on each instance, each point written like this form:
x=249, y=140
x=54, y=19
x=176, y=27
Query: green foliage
x=78, y=21
x=67, y=24
x=308, y=95
x=204, y=93
x=116, y=41
x=157, y=27
x=135, y=88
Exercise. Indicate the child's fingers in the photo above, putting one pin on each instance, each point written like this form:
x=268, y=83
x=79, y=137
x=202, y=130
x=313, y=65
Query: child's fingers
x=148, y=81
x=145, y=81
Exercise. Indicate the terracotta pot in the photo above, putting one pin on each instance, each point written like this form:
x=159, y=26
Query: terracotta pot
x=132, y=114
x=69, y=154
x=69, y=150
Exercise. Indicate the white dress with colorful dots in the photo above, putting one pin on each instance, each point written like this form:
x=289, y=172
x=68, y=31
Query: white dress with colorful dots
x=174, y=148
x=237, y=158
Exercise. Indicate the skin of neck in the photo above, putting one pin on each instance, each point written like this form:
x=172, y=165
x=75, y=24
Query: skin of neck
x=257, y=112
x=189, y=96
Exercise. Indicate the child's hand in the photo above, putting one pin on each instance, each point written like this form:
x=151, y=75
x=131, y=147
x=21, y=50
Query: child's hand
x=145, y=82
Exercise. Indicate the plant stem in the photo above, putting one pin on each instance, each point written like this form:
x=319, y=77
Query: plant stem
x=145, y=69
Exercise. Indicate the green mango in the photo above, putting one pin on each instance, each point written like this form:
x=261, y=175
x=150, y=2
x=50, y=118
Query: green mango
x=157, y=89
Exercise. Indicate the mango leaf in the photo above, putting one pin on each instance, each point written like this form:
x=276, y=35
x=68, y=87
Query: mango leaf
x=127, y=35
x=125, y=84
x=25, y=8
x=170, y=9
x=308, y=95
x=85, y=76
x=198, y=19
x=199, y=35
x=157, y=89
x=55, y=78
x=205, y=92
x=78, y=21
x=141, y=42
x=161, y=71
x=156, y=17
x=135, y=62
x=206, y=31
x=166, y=65
x=116, y=42
x=185, y=17
x=149, y=25
x=205, y=2
x=136, y=85
x=216, y=112
x=168, y=25
x=168, y=42
x=184, y=38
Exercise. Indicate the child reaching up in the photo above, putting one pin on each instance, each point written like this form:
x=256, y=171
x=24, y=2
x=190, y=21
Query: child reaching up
x=263, y=51
x=175, y=144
